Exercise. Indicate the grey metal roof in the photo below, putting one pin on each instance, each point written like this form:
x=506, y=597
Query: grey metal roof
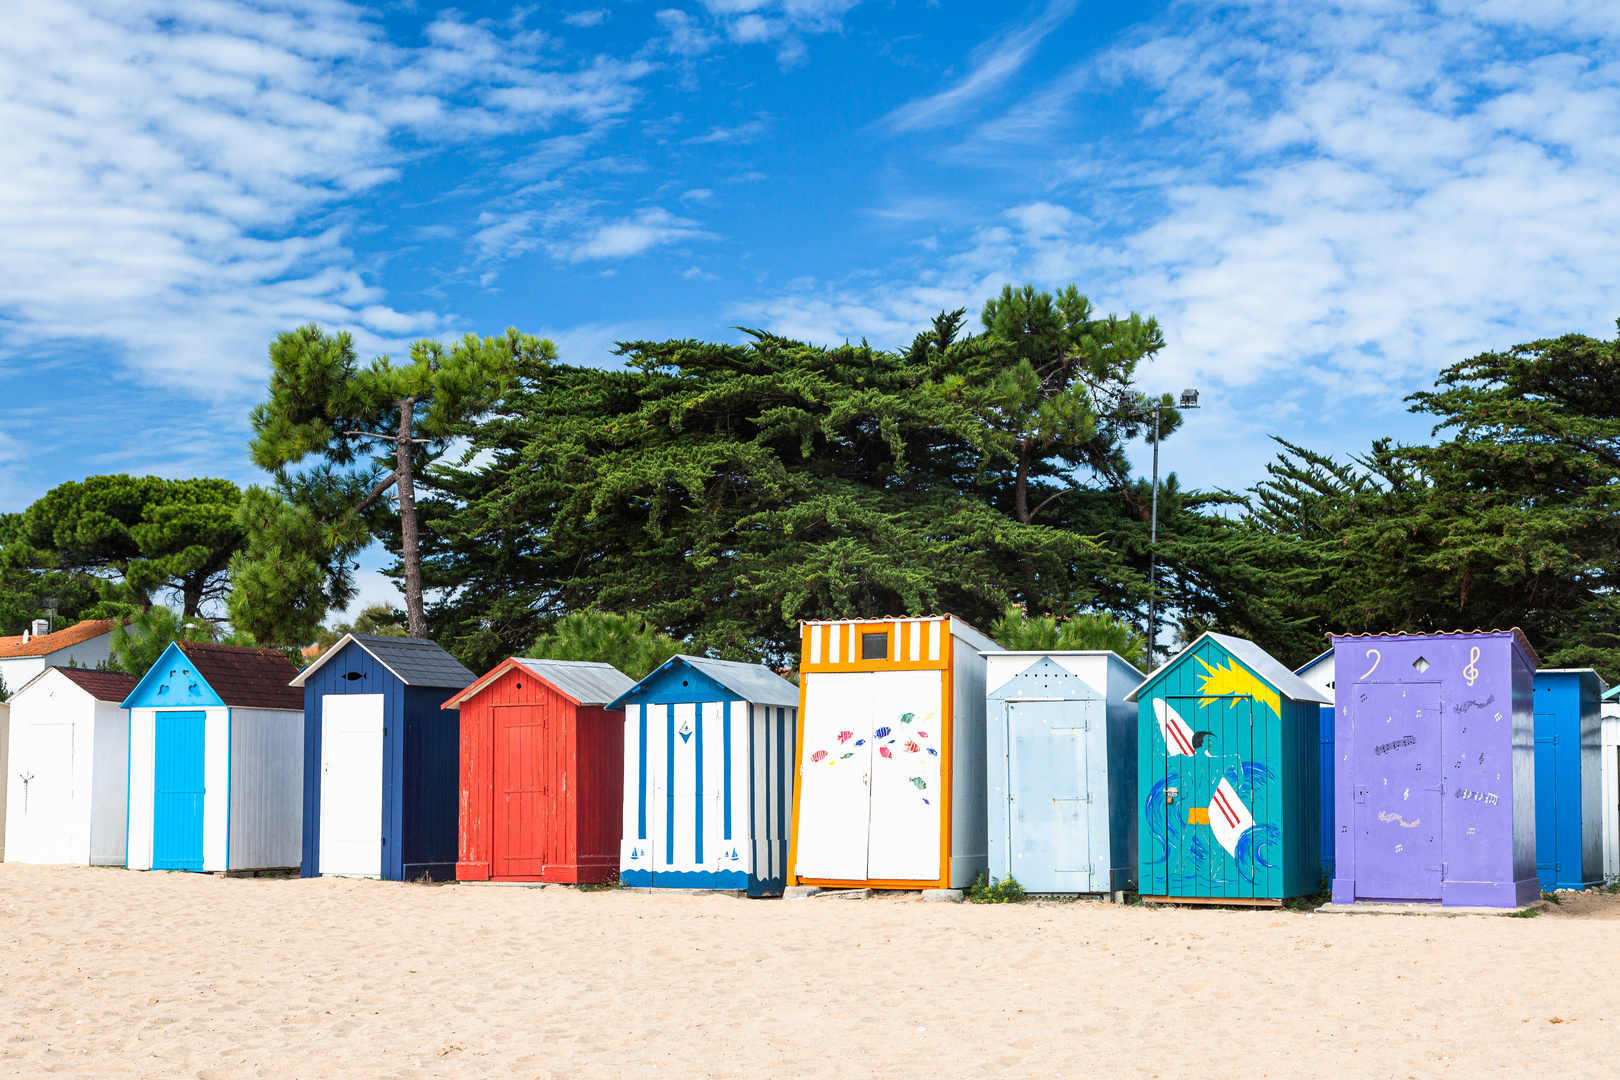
x=586, y=681
x=1257, y=659
x=416, y=661
x=1587, y=675
x=755, y=683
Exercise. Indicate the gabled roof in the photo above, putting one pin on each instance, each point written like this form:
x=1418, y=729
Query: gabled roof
x=584, y=682
x=45, y=644
x=111, y=686
x=414, y=661
x=235, y=675
x=750, y=682
x=1313, y=661
x=1255, y=658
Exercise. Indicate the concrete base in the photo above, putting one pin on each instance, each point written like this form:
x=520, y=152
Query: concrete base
x=942, y=896
x=1374, y=908
x=800, y=892
x=845, y=894
x=506, y=884
x=739, y=893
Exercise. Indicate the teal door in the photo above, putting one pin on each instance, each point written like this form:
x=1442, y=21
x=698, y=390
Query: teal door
x=177, y=788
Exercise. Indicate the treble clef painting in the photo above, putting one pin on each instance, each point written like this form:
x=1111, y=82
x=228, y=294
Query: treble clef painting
x=1470, y=673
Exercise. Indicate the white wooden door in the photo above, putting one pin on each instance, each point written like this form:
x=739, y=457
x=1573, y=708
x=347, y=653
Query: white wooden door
x=907, y=790
x=351, y=785
x=45, y=774
x=835, y=779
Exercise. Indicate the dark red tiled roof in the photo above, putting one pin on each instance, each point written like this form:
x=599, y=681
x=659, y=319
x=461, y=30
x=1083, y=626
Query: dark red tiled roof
x=102, y=685
x=246, y=678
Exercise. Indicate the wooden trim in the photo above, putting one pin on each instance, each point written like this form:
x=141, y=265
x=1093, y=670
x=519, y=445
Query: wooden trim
x=798, y=776
x=947, y=653
x=898, y=658
x=1237, y=901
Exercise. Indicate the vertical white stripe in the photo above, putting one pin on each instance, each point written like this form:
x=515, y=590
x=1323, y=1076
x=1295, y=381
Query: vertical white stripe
x=853, y=635
x=835, y=637
x=914, y=638
x=933, y=640
x=894, y=640
x=815, y=644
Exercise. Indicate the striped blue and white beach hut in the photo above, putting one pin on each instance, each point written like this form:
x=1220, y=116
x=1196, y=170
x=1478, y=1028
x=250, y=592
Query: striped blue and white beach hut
x=708, y=776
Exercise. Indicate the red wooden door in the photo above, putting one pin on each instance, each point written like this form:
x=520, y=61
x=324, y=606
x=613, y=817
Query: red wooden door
x=524, y=765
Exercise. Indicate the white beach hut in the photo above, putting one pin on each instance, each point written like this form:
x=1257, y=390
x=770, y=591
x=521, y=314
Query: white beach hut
x=69, y=753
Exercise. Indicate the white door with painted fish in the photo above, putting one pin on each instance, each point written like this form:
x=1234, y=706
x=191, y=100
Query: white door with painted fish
x=351, y=785
x=835, y=780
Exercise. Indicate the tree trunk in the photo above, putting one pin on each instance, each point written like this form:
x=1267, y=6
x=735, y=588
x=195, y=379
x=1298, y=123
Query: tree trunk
x=411, y=550
x=1021, y=483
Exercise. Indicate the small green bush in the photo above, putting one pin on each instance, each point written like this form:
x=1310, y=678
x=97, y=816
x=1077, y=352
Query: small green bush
x=985, y=891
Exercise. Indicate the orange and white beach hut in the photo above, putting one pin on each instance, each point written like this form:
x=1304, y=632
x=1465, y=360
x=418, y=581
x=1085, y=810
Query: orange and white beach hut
x=891, y=790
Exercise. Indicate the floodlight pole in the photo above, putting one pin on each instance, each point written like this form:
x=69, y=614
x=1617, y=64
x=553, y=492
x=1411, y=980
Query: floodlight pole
x=1189, y=400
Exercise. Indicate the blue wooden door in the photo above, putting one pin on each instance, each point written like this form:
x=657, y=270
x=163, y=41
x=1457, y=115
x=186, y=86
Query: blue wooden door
x=177, y=787
x=1547, y=800
x=1052, y=819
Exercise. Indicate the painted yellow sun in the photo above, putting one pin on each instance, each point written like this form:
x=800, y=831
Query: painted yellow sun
x=1230, y=681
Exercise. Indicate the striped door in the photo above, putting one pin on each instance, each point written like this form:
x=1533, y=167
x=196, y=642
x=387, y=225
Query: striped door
x=177, y=788
x=524, y=749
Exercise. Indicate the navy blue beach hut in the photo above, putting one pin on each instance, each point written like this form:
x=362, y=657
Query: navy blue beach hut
x=382, y=760
x=1318, y=674
x=1569, y=778
x=709, y=752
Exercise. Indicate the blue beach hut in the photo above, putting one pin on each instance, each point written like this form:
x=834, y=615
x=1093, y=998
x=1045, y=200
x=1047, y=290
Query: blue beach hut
x=1318, y=675
x=215, y=761
x=1569, y=780
x=709, y=747
x=1229, y=787
x=382, y=760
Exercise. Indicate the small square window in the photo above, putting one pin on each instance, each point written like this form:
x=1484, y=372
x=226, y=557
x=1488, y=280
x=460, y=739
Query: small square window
x=875, y=646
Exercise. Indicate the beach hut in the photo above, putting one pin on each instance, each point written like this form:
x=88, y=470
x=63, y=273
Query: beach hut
x=5, y=759
x=1228, y=781
x=1061, y=746
x=708, y=758
x=542, y=772
x=892, y=779
x=70, y=747
x=215, y=761
x=1569, y=777
x=1610, y=721
x=1318, y=675
x=382, y=760
x=1435, y=774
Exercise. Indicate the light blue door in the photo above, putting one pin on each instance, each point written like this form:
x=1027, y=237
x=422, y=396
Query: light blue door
x=177, y=788
x=1056, y=827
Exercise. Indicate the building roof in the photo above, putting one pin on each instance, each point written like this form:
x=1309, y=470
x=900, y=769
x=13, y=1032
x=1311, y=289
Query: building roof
x=584, y=682
x=978, y=639
x=245, y=678
x=1600, y=685
x=101, y=685
x=414, y=661
x=45, y=644
x=1313, y=661
x=1256, y=659
x=1518, y=635
x=754, y=683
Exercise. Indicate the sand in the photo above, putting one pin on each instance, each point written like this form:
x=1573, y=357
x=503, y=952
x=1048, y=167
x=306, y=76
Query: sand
x=122, y=974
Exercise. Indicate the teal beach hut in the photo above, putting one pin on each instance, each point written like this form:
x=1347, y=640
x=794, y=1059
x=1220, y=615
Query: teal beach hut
x=1229, y=780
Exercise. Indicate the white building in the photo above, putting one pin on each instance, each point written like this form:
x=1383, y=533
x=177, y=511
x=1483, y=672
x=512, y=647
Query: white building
x=84, y=644
x=68, y=795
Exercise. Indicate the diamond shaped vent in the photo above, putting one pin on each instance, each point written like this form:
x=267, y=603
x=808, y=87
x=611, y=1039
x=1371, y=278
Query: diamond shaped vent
x=1421, y=664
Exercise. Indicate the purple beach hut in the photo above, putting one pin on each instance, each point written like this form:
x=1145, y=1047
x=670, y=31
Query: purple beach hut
x=1434, y=771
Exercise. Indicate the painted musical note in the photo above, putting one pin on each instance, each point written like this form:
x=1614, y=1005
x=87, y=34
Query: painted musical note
x=1376, y=656
x=1470, y=673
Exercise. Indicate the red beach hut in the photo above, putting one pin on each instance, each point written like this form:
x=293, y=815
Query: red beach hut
x=542, y=772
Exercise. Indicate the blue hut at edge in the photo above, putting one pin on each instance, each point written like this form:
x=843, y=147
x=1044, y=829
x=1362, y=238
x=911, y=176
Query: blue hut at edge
x=1569, y=778
x=709, y=751
x=1318, y=674
x=382, y=760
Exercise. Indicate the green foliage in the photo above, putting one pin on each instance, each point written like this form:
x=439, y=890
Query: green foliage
x=379, y=619
x=1005, y=890
x=727, y=491
x=1088, y=630
x=137, y=646
x=104, y=545
x=628, y=642
x=369, y=429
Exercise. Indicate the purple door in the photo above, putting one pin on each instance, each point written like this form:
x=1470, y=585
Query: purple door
x=1398, y=790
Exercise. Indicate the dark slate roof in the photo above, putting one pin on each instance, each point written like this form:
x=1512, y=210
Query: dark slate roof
x=414, y=661
x=245, y=678
x=101, y=685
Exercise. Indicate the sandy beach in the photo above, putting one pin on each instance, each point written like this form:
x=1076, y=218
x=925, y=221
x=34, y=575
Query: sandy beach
x=114, y=973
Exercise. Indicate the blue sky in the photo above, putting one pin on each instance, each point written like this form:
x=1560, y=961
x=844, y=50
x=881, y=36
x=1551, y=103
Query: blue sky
x=1322, y=205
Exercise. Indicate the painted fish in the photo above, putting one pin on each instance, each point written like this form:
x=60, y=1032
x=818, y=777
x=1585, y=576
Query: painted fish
x=880, y=732
x=884, y=750
x=922, y=785
x=819, y=755
x=922, y=734
x=932, y=751
x=912, y=747
x=845, y=736
x=860, y=742
x=906, y=718
x=846, y=757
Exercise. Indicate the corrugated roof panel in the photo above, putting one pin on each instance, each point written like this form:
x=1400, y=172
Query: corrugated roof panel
x=751, y=682
x=586, y=681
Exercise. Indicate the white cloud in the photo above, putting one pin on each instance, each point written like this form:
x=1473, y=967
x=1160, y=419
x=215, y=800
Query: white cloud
x=648, y=228
x=164, y=160
x=992, y=64
x=593, y=17
x=686, y=37
x=744, y=132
